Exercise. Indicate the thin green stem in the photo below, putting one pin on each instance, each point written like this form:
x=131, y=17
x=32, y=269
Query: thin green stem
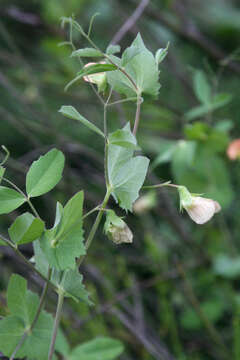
x=95, y=225
x=40, y=307
x=56, y=323
x=22, y=193
x=123, y=101
x=168, y=183
x=106, y=139
x=137, y=116
x=91, y=211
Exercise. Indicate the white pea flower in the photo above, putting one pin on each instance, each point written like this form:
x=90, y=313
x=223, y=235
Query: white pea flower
x=199, y=209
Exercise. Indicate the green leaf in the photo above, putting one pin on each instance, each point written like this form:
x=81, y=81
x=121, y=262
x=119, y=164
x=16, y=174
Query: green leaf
x=64, y=242
x=16, y=296
x=142, y=68
x=23, y=305
x=72, y=281
x=102, y=348
x=10, y=200
x=72, y=284
x=167, y=148
x=161, y=54
x=129, y=54
x=26, y=228
x=45, y=173
x=123, y=138
x=218, y=101
x=201, y=87
x=87, y=52
x=126, y=173
x=113, y=49
x=72, y=113
x=89, y=70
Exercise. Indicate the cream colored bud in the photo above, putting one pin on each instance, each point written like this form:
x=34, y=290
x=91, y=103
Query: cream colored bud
x=202, y=209
x=120, y=235
x=99, y=78
x=116, y=229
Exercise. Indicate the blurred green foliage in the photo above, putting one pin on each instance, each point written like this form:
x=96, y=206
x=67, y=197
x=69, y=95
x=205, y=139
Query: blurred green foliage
x=175, y=289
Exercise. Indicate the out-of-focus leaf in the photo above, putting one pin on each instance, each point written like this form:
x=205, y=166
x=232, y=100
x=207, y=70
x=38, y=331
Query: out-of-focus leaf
x=102, y=348
x=201, y=87
x=227, y=266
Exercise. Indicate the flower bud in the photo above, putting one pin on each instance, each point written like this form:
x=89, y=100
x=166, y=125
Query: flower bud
x=198, y=208
x=100, y=79
x=116, y=229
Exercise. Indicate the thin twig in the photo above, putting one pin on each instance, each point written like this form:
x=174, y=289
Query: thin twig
x=130, y=22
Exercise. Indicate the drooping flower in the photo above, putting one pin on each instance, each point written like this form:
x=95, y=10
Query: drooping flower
x=116, y=229
x=199, y=209
x=233, y=150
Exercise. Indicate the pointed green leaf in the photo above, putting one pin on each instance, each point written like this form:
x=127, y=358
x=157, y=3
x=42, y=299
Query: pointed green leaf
x=72, y=113
x=161, y=54
x=102, y=348
x=141, y=67
x=26, y=228
x=201, y=87
x=64, y=243
x=87, y=52
x=10, y=200
x=72, y=284
x=124, y=138
x=126, y=173
x=45, y=173
x=129, y=54
x=89, y=70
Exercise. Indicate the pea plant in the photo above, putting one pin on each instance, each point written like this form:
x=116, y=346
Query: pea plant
x=28, y=331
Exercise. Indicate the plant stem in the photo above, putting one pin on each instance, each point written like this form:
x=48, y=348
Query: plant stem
x=56, y=323
x=137, y=116
x=122, y=101
x=168, y=183
x=40, y=307
x=106, y=139
x=95, y=225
